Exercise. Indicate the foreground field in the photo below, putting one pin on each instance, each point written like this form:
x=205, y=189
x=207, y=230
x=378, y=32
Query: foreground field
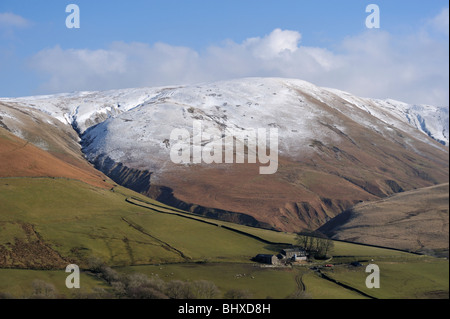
x=26, y=283
x=420, y=279
x=47, y=223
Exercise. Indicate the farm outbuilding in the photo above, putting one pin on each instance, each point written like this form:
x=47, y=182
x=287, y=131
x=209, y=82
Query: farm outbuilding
x=266, y=259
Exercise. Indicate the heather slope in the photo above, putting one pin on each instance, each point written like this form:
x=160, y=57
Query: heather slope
x=19, y=158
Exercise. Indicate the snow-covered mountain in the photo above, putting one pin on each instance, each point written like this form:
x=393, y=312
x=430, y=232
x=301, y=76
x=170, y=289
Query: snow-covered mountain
x=335, y=148
x=431, y=120
x=262, y=95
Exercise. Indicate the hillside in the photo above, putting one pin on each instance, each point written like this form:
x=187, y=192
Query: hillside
x=335, y=149
x=33, y=144
x=47, y=223
x=19, y=158
x=54, y=213
x=416, y=221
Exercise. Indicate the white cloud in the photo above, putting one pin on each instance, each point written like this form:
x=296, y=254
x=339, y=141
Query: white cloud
x=121, y=65
x=79, y=69
x=372, y=64
x=274, y=45
x=11, y=20
x=441, y=22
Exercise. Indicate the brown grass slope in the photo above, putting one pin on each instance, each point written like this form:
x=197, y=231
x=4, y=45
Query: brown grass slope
x=33, y=144
x=19, y=158
x=417, y=221
x=43, y=131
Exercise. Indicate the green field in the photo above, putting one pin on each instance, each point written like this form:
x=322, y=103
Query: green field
x=412, y=279
x=47, y=223
x=245, y=277
x=18, y=283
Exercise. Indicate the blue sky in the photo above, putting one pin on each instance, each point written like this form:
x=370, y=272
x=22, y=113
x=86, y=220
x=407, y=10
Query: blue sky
x=152, y=43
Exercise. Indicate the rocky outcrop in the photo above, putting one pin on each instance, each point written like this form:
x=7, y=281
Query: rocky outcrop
x=135, y=179
x=165, y=195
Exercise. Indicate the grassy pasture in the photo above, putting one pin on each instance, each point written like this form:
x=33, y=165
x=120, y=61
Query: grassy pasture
x=78, y=220
x=46, y=223
x=245, y=277
x=18, y=283
x=413, y=279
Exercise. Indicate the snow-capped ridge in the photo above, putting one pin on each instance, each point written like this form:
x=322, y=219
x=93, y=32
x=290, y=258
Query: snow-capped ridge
x=432, y=121
x=249, y=100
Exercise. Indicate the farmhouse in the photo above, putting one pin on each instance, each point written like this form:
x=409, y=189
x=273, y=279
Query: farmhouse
x=287, y=255
x=266, y=259
x=295, y=254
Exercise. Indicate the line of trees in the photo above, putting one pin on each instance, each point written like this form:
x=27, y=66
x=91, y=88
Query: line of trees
x=317, y=244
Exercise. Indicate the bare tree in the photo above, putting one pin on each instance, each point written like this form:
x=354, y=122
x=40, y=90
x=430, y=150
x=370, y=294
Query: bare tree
x=316, y=243
x=178, y=289
x=139, y=286
x=203, y=289
x=43, y=290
